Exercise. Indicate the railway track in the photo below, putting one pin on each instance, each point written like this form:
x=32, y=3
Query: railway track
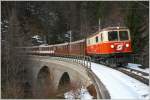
x=135, y=74
x=143, y=73
x=139, y=75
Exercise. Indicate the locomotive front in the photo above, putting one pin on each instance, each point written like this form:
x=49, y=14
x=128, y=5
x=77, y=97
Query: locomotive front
x=119, y=40
x=110, y=40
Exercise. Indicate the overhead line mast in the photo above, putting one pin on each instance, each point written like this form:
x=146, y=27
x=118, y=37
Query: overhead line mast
x=99, y=24
x=70, y=33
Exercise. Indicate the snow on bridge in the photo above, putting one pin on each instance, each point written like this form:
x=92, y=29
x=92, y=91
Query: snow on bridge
x=119, y=85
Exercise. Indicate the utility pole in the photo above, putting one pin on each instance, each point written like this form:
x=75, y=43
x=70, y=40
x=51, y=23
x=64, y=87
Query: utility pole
x=45, y=42
x=99, y=24
x=70, y=33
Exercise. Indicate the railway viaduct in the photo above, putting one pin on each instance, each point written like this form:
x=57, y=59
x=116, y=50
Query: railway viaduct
x=51, y=75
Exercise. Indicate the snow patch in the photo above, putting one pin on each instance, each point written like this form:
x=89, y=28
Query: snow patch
x=136, y=67
x=85, y=95
x=82, y=94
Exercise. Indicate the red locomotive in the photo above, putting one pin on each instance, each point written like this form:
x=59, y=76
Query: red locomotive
x=111, y=40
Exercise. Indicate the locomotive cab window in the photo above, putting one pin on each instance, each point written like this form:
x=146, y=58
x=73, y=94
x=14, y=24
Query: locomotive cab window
x=113, y=36
x=123, y=35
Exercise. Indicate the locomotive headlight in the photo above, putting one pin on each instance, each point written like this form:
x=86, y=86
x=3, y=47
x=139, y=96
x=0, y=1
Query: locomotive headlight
x=112, y=46
x=127, y=45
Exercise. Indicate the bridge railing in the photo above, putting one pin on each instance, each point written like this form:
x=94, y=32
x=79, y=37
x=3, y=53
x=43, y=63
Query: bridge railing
x=82, y=60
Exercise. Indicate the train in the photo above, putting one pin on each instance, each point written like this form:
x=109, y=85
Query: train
x=106, y=42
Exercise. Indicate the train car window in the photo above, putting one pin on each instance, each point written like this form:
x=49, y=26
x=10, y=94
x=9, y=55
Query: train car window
x=54, y=48
x=123, y=35
x=96, y=38
x=113, y=36
x=101, y=37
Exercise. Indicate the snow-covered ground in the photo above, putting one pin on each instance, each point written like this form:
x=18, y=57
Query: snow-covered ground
x=81, y=94
x=119, y=85
x=136, y=66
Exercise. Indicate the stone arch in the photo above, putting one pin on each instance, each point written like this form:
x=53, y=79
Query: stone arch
x=43, y=82
x=64, y=82
x=44, y=73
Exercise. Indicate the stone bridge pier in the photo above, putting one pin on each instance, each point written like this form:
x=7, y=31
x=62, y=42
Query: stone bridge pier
x=49, y=76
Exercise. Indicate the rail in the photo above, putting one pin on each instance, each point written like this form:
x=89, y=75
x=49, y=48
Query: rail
x=82, y=60
x=136, y=76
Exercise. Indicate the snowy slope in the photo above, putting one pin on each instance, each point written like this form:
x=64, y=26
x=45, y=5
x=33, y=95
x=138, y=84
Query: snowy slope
x=119, y=85
x=135, y=66
x=81, y=94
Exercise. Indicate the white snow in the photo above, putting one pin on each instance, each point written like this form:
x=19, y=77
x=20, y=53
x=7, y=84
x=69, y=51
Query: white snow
x=119, y=85
x=136, y=66
x=85, y=95
x=130, y=70
x=69, y=95
x=36, y=37
x=81, y=94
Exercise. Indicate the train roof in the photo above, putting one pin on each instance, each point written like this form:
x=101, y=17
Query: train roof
x=114, y=28
x=79, y=41
x=61, y=44
x=108, y=28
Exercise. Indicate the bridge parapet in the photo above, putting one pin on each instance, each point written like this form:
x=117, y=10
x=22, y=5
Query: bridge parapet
x=82, y=60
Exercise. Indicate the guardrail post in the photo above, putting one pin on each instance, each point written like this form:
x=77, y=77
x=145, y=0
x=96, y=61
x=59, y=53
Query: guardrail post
x=84, y=61
x=74, y=59
x=78, y=60
x=89, y=63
